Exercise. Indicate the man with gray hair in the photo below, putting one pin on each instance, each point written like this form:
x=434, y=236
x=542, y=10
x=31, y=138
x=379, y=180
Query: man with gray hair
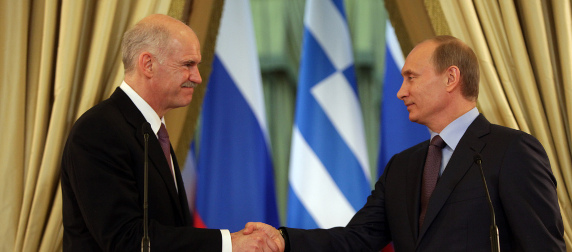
x=102, y=165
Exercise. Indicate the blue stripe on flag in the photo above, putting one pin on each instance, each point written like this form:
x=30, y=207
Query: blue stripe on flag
x=350, y=74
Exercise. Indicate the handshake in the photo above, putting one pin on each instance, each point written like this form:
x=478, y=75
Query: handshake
x=257, y=236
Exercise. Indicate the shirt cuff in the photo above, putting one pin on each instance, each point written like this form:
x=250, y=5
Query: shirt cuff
x=226, y=241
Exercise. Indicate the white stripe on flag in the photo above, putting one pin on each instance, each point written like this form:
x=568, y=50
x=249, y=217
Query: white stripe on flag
x=236, y=41
x=337, y=99
x=393, y=45
x=329, y=28
x=315, y=188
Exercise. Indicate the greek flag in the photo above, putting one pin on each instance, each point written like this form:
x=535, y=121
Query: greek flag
x=235, y=180
x=329, y=170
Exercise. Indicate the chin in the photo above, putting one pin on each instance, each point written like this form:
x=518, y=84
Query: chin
x=186, y=103
x=413, y=119
x=182, y=103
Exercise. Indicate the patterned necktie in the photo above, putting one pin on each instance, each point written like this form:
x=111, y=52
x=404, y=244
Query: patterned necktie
x=165, y=145
x=430, y=174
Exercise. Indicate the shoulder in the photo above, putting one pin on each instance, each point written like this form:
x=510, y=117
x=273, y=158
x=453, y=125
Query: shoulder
x=514, y=138
x=109, y=121
x=100, y=118
x=422, y=146
x=499, y=136
x=408, y=158
x=109, y=115
x=101, y=133
x=408, y=154
x=510, y=132
x=519, y=155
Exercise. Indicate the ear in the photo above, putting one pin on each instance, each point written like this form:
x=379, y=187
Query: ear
x=453, y=78
x=145, y=64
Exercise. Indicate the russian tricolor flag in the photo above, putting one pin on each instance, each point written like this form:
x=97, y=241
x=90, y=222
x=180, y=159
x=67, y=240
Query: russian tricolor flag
x=397, y=133
x=235, y=181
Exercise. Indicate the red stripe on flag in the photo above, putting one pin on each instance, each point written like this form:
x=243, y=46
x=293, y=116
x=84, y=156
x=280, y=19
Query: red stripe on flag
x=197, y=221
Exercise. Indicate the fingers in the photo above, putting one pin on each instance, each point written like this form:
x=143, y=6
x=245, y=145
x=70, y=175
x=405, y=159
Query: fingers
x=253, y=226
x=280, y=242
x=272, y=233
x=263, y=242
x=249, y=228
x=271, y=244
x=256, y=241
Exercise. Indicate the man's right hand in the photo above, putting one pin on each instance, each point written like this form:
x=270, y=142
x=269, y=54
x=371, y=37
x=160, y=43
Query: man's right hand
x=270, y=231
x=257, y=241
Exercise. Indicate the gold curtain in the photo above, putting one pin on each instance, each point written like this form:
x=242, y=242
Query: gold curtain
x=525, y=52
x=59, y=58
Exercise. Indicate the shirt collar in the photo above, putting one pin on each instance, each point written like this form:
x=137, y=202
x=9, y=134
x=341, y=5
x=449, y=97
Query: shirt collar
x=148, y=112
x=455, y=130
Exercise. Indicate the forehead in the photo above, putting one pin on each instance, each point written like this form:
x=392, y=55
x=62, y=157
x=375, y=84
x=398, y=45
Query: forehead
x=420, y=57
x=185, y=47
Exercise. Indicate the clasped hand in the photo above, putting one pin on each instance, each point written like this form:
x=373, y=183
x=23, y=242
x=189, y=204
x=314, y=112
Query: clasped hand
x=257, y=236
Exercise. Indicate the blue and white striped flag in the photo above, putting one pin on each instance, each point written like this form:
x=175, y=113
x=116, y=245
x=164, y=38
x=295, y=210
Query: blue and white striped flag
x=235, y=180
x=329, y=170
x=397, y=132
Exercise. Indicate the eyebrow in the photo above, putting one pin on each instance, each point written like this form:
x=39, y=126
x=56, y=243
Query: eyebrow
x=407, y=72
x=191, y=62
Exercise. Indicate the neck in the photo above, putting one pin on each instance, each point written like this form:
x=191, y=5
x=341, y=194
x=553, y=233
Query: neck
x=138, y=85
x=449, y=116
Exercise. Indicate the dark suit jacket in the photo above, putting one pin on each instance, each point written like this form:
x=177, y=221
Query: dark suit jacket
x=102, y=187
x=520, y=181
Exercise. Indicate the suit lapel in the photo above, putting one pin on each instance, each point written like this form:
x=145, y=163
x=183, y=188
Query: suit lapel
x=156, y=157
x=460, y=162
x=159, y=161
x=185, y=212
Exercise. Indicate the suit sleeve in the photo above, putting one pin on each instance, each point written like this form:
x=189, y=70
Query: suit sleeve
x=101, y=193
x=527, y=189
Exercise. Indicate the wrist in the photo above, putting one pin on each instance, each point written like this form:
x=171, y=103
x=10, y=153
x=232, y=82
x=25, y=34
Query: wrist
x=284, y=235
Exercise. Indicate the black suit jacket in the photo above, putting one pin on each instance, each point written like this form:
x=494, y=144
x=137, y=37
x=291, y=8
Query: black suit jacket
x=102, y=186
x=520, y=181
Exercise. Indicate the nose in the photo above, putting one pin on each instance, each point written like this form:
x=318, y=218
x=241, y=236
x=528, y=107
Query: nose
x=195, y=75
x=402, y=93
